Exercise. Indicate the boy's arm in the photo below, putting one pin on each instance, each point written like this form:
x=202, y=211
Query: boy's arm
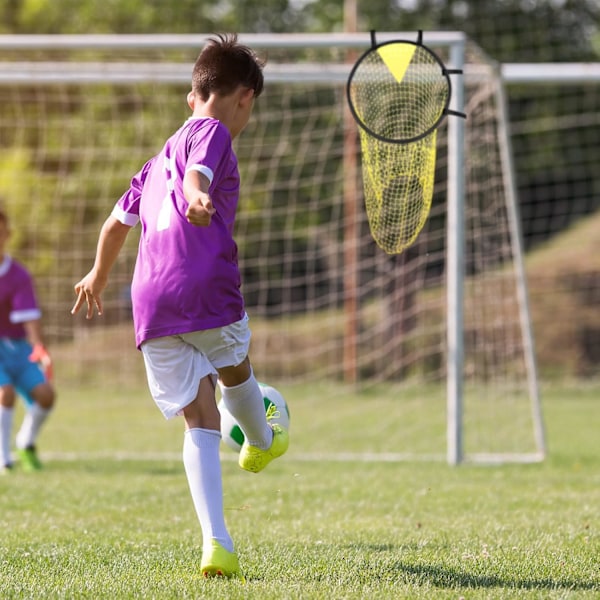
x=195, y=189
x=33, y=329
x=90, y=288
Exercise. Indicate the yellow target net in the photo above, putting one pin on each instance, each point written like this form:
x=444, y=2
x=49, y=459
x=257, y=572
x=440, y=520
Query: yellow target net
x=398, y=187
x=398, y=93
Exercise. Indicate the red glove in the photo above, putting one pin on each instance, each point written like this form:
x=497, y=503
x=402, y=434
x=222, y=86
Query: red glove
x=40, y=355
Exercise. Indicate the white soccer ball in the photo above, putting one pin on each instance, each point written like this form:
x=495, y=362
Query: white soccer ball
x=231, y=432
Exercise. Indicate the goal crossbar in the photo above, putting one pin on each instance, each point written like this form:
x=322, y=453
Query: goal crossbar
x=172, y=72
x=179, y=41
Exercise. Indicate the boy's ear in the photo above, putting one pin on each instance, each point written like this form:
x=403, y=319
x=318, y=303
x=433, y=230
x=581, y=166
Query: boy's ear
x=191, y=98
x=247, y=95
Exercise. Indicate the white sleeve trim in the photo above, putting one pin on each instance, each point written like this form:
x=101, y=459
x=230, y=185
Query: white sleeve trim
x=124, y=217
x=5, y=265
x=206, y=171
x=22, y=316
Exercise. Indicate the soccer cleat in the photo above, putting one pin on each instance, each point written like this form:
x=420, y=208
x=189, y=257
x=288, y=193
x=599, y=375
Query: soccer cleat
x=6, y=470
x=29, y=459
x=255, y=459
x=218, y=562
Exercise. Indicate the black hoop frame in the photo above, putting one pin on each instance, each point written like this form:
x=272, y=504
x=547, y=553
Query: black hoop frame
x=444, y=72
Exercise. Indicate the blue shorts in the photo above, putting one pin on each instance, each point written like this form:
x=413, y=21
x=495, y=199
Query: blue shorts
x=17, y=370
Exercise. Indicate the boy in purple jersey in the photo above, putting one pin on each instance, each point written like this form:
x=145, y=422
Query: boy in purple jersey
x=21, y=349
x=188, y=310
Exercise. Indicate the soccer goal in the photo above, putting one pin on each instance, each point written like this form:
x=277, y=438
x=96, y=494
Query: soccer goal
x=446, y=322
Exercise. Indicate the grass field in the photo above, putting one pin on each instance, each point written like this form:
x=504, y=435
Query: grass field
x=110, y=516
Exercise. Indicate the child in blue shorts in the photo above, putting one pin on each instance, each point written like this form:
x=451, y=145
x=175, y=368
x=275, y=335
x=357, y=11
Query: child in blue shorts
x=25, y=365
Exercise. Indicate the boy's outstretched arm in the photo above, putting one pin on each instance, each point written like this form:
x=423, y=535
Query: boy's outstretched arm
x=90, y=288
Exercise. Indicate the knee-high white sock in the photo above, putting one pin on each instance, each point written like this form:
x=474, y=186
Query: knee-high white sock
x=32, y=422
x=6, y=421
x=203, y=470
x=245, y=402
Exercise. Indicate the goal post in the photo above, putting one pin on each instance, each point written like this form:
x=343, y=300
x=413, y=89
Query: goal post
x=455, y=235
x=447, y=322
x=456, y=248
x=514, y=219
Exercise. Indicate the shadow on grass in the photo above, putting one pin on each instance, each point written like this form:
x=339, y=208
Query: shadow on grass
x=448, y=577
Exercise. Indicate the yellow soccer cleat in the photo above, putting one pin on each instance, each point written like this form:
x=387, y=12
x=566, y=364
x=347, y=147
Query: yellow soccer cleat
x=255, y=459
x=218, y=562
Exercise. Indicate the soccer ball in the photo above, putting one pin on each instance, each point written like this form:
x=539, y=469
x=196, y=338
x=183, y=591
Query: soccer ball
x=231, y=433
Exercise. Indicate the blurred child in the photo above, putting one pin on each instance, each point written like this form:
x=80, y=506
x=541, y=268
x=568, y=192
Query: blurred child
x=25, y=365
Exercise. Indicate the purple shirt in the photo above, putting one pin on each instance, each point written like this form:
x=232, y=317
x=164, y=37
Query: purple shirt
x=18, y=303
x=186, y=278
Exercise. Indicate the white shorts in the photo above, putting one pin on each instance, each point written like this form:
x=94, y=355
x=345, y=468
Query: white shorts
x=175, y=364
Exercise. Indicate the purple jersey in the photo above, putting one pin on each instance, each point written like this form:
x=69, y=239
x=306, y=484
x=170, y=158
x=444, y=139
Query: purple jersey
x=186, y=278
x=18, y=303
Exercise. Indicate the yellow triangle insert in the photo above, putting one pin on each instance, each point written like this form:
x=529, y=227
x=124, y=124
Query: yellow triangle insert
x=397, y=57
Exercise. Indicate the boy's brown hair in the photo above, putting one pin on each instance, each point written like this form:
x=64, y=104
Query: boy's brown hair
x=223, y=65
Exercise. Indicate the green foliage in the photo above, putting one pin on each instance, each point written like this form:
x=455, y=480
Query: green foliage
x=548, y=31
x=24, y=191
x=107, y=16
x=69, y=162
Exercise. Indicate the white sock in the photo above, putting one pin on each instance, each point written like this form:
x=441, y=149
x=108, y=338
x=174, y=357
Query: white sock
x=203, y=470
x=6, y=421
x=245, y=402
x=32, y=422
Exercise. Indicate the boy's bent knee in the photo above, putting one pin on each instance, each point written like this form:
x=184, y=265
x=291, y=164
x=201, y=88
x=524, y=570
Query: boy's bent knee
x=44, y=395
x=7, y=396
x=235, y=375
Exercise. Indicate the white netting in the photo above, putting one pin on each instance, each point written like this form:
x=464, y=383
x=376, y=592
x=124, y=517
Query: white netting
x=69, y=149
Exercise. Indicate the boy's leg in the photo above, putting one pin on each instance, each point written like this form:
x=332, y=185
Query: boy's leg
x=39, y=399
x=227, y=350
x=6, y=421
x=174, y=369
x=7, y=401
x=245, y=402
x=203, y=470
x=33, y=420
x=26, y=438
x=202, y=464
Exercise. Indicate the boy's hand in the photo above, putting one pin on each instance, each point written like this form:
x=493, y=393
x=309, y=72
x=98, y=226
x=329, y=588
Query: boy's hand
x=40, y=355
x=89, y=290
x=200, y=211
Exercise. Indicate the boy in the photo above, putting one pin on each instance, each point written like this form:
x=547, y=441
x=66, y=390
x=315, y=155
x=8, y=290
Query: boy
x=188, y=311
x=21, y=349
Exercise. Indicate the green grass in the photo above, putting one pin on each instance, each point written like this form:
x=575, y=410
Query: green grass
x=111, y=517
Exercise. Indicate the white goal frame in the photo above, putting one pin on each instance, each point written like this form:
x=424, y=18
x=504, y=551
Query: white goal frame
x=20, y=72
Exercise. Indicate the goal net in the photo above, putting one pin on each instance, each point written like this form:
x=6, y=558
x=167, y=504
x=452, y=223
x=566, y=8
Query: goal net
x=326, y=305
